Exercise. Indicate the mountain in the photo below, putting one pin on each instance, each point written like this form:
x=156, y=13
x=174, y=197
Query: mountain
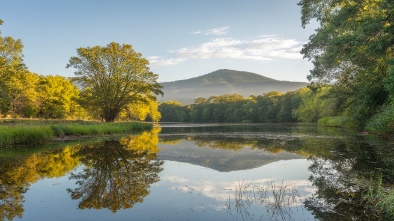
x=224, y=82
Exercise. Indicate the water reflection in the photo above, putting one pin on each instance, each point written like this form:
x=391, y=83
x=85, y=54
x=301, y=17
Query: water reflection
x=200, y=177
x=115, y=176
x=343, y=163
x=11, y=194
x=17, y=174
x=343, y=178
x=279, y=200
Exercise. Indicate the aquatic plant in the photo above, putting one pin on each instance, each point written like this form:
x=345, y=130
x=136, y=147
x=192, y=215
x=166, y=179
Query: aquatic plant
x=278, y=200
x=380, y=198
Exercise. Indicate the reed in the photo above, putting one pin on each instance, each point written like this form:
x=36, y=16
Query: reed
x=380, y=198
x=33, y=133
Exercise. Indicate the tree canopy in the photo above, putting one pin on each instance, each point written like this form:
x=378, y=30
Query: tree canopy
x=113, y=77
x=353, y=51
x=11, y=64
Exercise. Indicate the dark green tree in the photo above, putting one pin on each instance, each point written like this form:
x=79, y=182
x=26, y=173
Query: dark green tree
x=353, y=51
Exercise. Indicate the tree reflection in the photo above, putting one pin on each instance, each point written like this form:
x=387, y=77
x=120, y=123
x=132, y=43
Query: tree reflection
x=342, y=179
x=11, y=192
x=17, y=174
x=117, y=174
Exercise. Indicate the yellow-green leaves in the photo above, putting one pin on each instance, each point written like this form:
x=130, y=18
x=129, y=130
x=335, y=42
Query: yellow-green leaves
x=116, y=76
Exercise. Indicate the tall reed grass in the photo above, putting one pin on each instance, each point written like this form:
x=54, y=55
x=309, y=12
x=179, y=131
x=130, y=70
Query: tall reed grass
x=33, y=133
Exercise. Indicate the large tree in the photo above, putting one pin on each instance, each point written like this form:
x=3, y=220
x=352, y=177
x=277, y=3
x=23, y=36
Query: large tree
x=113, y=77
x=352, y=50
x=11, y=64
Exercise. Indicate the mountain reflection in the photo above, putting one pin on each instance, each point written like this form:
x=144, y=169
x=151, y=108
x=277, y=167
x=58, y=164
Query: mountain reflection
x=116, y=174
x=223, y=153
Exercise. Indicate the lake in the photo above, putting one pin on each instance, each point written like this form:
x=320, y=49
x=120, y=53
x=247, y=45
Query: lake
x=197, y=172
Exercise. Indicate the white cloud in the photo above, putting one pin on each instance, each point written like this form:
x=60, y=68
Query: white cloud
x=220, y=191
x=213, y=31
x=264, y=48
x=155, y=60
x=217, y=31
x=258, y=49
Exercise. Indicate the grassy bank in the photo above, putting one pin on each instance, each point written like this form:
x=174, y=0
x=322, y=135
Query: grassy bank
x=30, y=132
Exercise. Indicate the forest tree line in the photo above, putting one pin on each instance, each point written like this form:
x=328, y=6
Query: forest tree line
x=30, y=95
x=301, y=105
x=114, y=83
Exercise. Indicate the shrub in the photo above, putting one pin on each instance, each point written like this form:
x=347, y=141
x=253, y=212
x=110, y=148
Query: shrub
x=334, y=121
x=383, y=122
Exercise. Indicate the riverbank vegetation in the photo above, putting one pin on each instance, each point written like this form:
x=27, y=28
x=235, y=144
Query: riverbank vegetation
x=34, y=132
x=103, y=88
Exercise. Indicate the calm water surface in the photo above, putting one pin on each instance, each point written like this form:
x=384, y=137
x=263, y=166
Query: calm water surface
x=197, y=172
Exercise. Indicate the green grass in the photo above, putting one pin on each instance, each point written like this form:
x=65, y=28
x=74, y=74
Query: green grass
x=25, y=132
x=27, y=135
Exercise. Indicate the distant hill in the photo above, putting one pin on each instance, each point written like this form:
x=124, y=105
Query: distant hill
x=224, y=82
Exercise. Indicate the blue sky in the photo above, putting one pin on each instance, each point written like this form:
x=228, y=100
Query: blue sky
x=181, y=38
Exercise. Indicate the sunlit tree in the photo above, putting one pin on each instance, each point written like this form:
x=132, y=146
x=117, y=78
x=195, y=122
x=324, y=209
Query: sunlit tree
x=113, y=77
x=11, y=64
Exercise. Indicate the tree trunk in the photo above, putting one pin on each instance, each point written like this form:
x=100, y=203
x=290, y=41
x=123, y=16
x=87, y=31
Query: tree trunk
x=110, y=115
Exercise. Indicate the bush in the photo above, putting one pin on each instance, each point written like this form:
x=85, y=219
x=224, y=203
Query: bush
x=383, y=122
x=333, y=122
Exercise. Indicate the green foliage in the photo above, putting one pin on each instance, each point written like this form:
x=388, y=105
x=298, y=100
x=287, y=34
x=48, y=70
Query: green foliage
x=56, y=97
x=352, y=51
x=340, y=121
x=113, y=77
x=270, y=107
x=314, y=105
x=380, y=198
x=173, y=111
x=383, y=122
x=11, y=64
